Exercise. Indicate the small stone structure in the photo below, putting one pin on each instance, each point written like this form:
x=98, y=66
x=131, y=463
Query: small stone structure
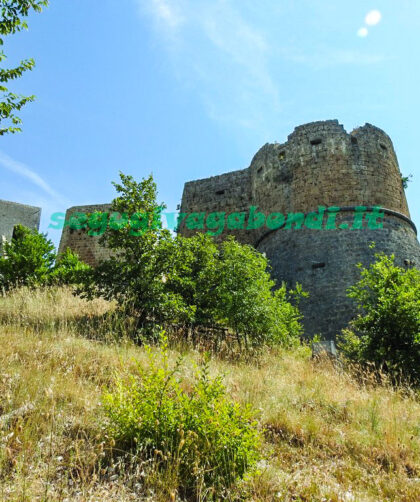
x=12, y=214
x=325, y=348
x=319, y=165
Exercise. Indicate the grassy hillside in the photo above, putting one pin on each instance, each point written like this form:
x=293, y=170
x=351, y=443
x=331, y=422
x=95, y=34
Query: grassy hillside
x=327, y=437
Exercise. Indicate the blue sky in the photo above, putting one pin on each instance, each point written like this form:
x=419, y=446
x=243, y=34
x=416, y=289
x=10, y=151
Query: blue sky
x=191, y=88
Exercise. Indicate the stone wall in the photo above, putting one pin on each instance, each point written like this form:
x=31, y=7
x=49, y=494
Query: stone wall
x=227, y=193
x=12, y=213
x=324, y=262
x=321, y=164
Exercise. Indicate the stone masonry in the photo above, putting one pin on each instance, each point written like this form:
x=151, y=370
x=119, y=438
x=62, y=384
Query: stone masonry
x=88, y=247
x=12, y=214
x=319, y=165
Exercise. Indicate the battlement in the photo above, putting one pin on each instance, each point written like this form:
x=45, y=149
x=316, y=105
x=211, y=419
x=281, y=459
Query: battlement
x=319, y=164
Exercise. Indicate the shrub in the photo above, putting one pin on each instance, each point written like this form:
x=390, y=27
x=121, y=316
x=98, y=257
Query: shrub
x=247, y=302
x=27, y=259
x=203, y=437
x=386, y=332
x=68, y=269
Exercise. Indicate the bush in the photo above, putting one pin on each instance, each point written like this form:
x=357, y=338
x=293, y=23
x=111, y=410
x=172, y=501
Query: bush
x=386, y=333
x=201, y=436
x=29, y=259
x=246, y=301
x=228, y=286
x=68, y=269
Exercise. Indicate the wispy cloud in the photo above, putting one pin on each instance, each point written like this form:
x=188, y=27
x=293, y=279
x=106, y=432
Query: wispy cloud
x=165, y=11
x=238, y=60
x=26, y=172
x=243, y=44
x=216, y=50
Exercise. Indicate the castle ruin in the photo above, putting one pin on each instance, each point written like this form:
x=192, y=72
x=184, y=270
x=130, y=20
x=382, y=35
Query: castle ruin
x=319, y=165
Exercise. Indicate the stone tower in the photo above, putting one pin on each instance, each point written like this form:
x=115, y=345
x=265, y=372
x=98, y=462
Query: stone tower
x=320, y=165
x=88, y=247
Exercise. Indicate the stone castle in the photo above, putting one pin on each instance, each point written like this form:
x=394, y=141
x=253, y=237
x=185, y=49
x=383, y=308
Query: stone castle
x=320, y=164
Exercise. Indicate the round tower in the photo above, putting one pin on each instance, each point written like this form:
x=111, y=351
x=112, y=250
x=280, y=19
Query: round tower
x=323, y=166
x=88, y=247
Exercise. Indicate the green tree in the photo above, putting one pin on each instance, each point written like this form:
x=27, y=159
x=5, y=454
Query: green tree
x=229, y=285
x=12, y=21
x=246, y=299
x=134, y=275
x=27, y=259
x=191, y=281
x=386, y=332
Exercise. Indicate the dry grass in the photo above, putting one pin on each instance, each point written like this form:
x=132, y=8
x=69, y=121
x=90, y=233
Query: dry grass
x=328, y=438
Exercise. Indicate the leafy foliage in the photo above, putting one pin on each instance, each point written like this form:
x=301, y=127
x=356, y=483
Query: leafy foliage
x=133, y=276
x=228, y=285
x=207, y=439
x=405, y=180
x=191, y=281
x=387, y=331
x=245, y=301
x=68, y=269
x=12, y=14
x=29, y=259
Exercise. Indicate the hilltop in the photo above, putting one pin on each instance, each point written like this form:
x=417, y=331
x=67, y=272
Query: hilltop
x=326, y=436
